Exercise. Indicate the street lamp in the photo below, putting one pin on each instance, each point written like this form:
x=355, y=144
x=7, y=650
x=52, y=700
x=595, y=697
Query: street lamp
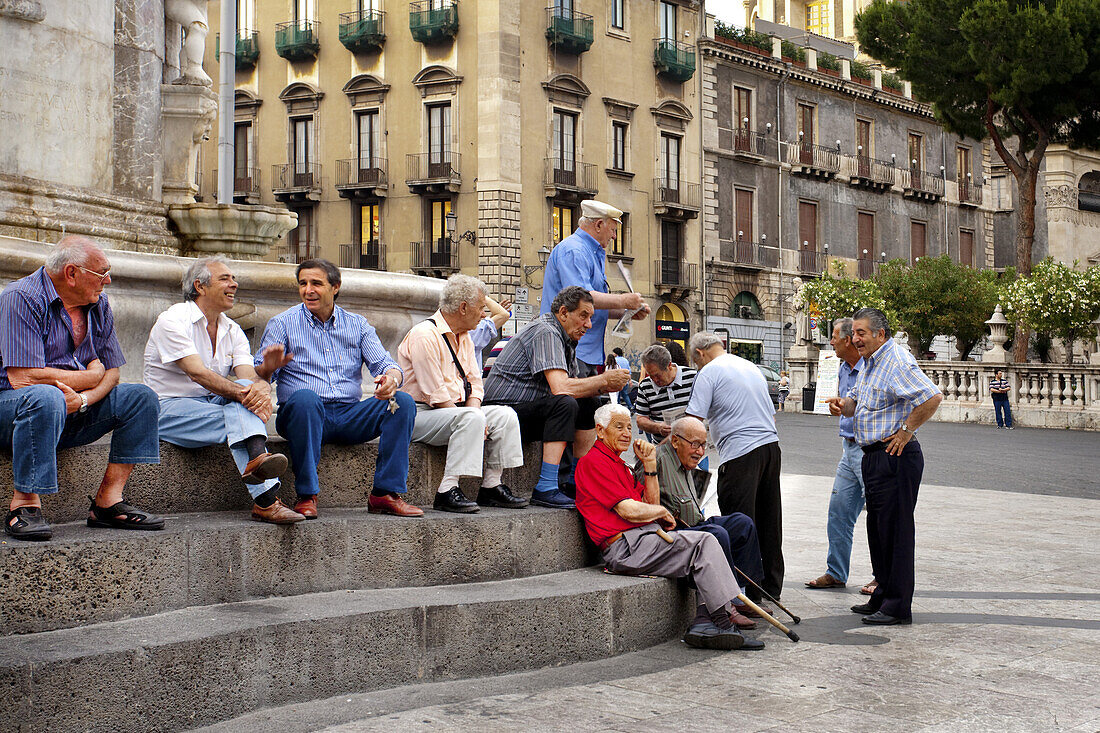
x=528, y=270
x=451, y=225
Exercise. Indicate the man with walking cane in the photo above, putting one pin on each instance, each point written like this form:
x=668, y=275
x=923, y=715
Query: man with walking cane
x=890, y=401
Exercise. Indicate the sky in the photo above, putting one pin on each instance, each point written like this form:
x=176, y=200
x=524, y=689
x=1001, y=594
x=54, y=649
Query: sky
x=727, y=11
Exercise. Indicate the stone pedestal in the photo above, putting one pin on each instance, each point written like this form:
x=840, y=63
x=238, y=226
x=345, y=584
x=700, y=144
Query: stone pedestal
x=236, y=231
x=187, y=115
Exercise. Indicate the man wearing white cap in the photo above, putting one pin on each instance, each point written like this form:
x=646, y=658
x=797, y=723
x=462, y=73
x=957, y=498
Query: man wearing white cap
x=579, y=259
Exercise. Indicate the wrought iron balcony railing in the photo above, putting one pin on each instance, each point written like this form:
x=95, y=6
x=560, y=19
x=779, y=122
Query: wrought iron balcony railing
x=673, y=59
x=810, y=261
x=439, y=257
x=970, y=193
x=432, y=21
x=748, y=254
x=361, y=176
x=366, y=256
x=681, y=194
x=750, y=143
x=246, y=183
x=868, y=172
x=247, y=48
x=432, y=171
x=297, y=40
x=568, y=30
x=917, y=183
x=813, y=159
x=562, y=173
x=362, y=31
x=675, y=274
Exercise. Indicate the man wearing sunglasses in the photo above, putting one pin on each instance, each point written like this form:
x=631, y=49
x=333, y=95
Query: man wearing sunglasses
x=59, y=388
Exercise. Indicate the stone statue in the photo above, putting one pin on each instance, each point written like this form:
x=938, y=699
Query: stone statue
x=803, y=334
x=185, y=32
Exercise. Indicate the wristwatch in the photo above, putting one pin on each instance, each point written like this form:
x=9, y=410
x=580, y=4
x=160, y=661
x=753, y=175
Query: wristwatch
x=83, y=402
x=905, y=427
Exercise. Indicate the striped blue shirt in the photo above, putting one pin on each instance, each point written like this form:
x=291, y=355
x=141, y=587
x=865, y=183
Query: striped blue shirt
x=328, y=357
x=888, y=389
x=36, y=331
x=846, y=379
x=579, y=260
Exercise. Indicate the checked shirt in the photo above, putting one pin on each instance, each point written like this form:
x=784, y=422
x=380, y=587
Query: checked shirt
x=889, y=387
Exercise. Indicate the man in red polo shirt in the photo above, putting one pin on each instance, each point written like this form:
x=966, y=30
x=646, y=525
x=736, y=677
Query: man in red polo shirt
x=623, y=519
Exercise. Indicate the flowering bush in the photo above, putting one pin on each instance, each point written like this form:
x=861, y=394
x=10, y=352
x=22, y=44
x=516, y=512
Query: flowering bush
x=836, y=296
x=1056, y=299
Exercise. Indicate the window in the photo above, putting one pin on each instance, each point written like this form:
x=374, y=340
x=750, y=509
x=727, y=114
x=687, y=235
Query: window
x=819, y=18
x=1002, y=192
x=303, y=10
x=618, y=244
x=916, y=151
x=618, y=146
x=369, y=236
x=366, y=6
x=562, y=221
x=301, y=240
x=439, y=140
x=962, y=172
x=563, y=143
x=667, y=21
x=864, y=145
x=745, y=305
x=672, y=251
x=244, y=156
x=302, y=151
x=369, y=139
x=742, y=206
x=742, y=108
x=618, y=14
x=807, y=237
x=669, y=163
x=865, y=244
x=441, y=241
x=966, y=247
x=246, y=15
x=806, y=132
x=916, y=240
x=563, y=8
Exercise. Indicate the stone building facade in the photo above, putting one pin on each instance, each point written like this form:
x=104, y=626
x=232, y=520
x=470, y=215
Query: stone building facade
x=374, y=121
x=804, y=167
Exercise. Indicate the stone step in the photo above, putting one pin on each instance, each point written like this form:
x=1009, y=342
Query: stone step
x=206, y=479
x=86, y=575
x=196, y=666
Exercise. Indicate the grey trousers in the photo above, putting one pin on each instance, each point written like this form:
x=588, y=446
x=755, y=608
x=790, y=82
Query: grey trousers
x=462, y=430
x=697, y=555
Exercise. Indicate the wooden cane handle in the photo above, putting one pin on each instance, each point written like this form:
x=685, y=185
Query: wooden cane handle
x=665, y=536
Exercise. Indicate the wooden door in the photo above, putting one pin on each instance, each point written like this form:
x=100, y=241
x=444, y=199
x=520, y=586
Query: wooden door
x=916, y=240
x=865, y=244
x=743, y=249
x=966, y=247
x=807, y=236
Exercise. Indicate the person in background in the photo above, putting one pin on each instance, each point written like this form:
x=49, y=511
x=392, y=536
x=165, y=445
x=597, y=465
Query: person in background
x=784, y=389
x=621, y=362
x=998, y=390
x=489, y=327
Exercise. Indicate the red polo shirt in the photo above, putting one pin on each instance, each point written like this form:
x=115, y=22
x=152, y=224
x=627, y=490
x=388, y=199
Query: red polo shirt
x=603, y=480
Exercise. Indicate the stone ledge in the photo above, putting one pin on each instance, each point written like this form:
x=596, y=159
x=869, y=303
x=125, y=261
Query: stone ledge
x=197, y=666
x=206, y=479
x=85, y=575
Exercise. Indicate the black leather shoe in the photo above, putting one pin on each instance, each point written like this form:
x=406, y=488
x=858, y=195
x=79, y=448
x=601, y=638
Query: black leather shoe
x=878, y=618
x=454, y=501
x=865, y=608
x=500, y=496
x=27, y=523
x=705, y=635
x=752, y=645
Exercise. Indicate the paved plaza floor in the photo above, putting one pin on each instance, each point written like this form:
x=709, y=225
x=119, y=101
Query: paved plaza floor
x=1006, y=637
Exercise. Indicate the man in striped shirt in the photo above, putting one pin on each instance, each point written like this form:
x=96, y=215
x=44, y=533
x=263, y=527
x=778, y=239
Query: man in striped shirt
x=59, y=388
x=317, y=366
x=666, y=390
x=890, y=400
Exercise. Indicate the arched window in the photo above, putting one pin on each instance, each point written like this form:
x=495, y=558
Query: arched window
x=1088, y=192
x=745, y=305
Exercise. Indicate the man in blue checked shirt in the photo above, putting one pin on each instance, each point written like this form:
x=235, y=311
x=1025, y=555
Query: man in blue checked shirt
x=890, y=401
x=318, y=375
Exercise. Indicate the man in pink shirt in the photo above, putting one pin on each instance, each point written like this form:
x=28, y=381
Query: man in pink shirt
x=442, y=375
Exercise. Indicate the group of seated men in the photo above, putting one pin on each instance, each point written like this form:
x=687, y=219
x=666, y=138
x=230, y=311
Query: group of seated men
x=59, y=388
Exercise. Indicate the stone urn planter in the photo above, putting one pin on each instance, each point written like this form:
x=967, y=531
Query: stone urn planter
x=236, y=231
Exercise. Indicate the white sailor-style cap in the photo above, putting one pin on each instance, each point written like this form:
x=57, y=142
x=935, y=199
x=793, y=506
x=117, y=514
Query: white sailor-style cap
x=593, y=209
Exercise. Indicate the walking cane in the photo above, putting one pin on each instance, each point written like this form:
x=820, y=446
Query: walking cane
x=741, y=597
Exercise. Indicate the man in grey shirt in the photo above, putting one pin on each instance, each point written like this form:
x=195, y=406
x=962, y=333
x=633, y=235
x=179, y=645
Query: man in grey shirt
x=732, y=395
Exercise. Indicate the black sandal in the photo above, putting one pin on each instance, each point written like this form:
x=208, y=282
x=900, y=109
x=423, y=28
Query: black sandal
x=122, y=516
x=27, y=523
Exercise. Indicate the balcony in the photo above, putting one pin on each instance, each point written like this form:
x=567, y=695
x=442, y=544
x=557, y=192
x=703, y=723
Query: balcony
x=675, y=277
x=921, y=185
x=674, y=60
x=568, y=31
x=866, y=268
x=247, y=49
x=569, y=181
x=297, y=40
x=675, y=199
x=296, y=182
x=437, y=258
x=869, y=173
x=813, y=161
x=297, y=252
x=432, y=21
x=433, y=172
x=365, y=256
x=362, y=31
x=362, y=178
x=747, y=143
x=246, y=185
x=748, y=255
x=811, y=262
x=969, y=193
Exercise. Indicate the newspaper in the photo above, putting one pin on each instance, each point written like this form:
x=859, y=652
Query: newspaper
x=622, y=326
x=828, y=380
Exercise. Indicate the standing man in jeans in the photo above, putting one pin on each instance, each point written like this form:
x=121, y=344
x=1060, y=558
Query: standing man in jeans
x=846, y=502
x=891, y=399
x=998, y=390
x=732, y=394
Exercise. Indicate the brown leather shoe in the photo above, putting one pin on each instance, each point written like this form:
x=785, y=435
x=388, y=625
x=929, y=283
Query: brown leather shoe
x=825, y=581
x=392, y=504
x=741, y=621
x=277, y=513
x=263, y=467
x=746, y=611
x=307, y=506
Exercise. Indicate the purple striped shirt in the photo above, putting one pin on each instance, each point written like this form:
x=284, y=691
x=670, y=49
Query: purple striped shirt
x=36, y=331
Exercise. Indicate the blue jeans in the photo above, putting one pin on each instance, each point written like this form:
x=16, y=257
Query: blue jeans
x=34, y=424
x=1003, y=411
x=307, y=422
x=736, y=533
x=844, y=507
x=195, y=422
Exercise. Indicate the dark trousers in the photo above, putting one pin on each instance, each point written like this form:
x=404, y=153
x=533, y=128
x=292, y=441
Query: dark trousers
x=1003, y=411
x=736, y=533
x=891, y=483
x=554, y=419
x=749, y=484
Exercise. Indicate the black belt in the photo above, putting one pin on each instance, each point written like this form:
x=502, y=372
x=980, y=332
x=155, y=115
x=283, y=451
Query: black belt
x=874, y=447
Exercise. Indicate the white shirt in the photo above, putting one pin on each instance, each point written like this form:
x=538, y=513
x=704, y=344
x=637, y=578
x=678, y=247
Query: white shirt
x=181, y=331
x=732, y=395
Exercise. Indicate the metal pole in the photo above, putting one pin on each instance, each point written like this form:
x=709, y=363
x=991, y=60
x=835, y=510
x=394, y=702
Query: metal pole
x=227, y=64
